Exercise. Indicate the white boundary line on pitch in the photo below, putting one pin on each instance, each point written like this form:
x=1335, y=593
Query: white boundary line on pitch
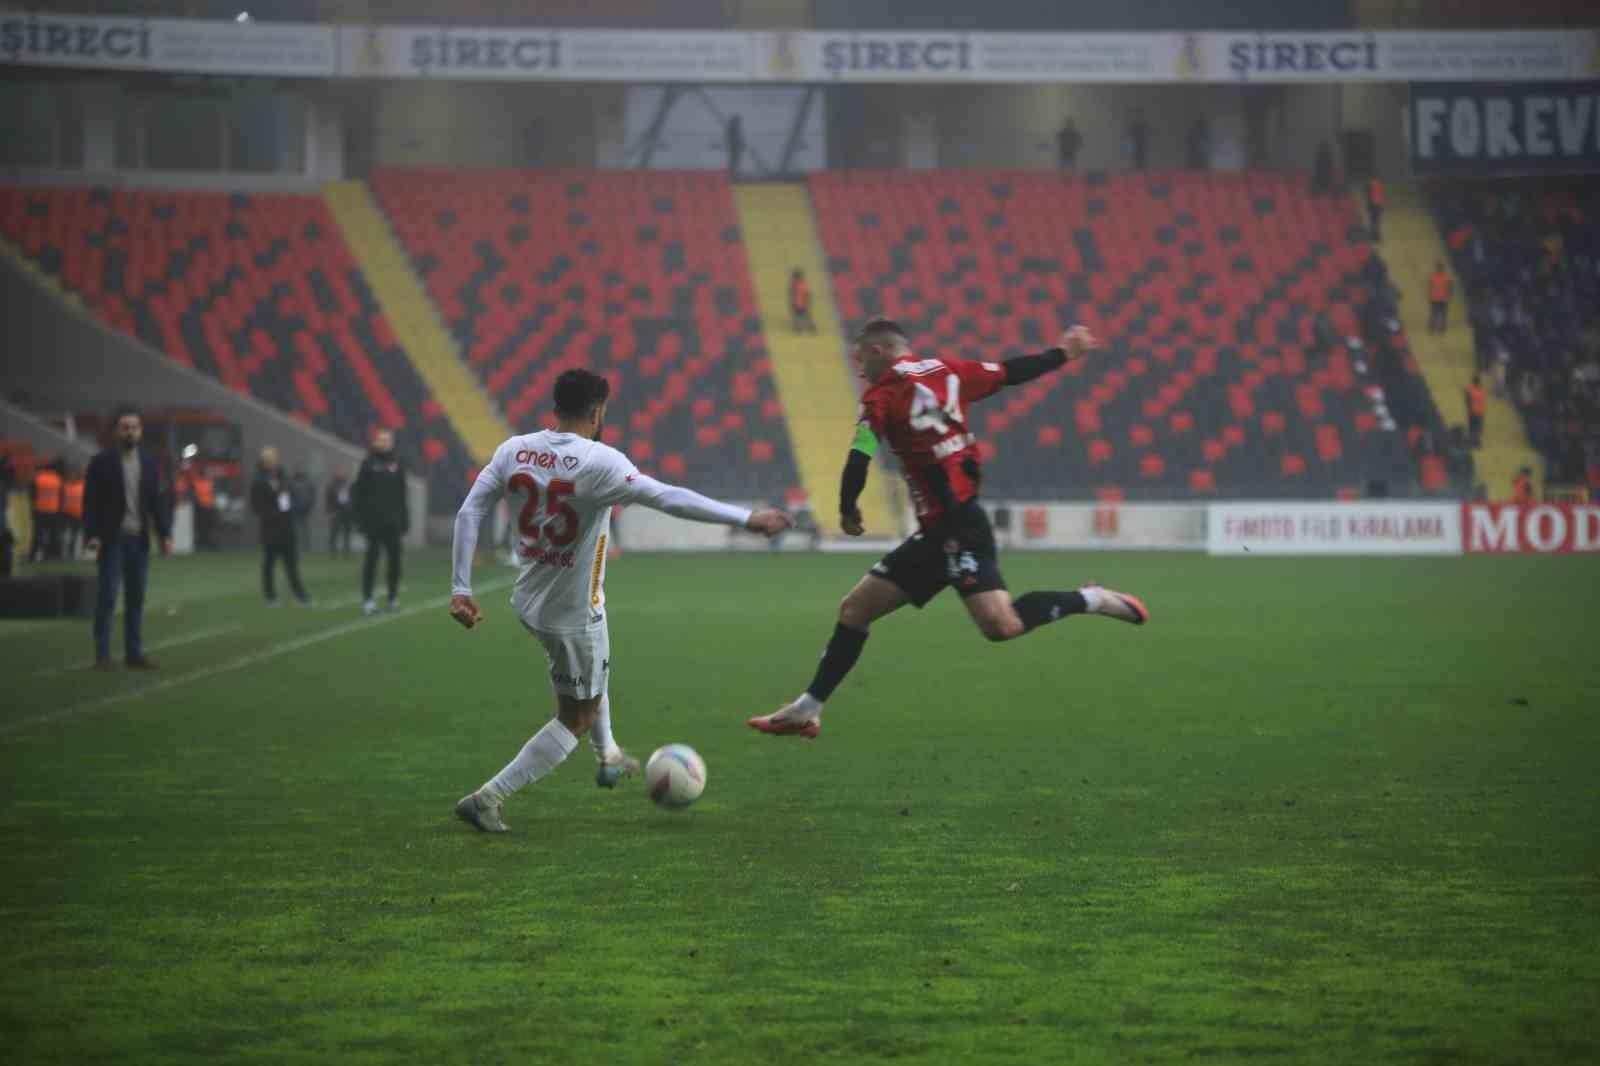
x=170, y=642
x=239, y=663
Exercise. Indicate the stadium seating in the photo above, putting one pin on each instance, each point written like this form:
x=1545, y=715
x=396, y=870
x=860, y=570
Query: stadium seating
x=1230, y=302
x=640, y=276
x=1526, y=252
x=256, y=290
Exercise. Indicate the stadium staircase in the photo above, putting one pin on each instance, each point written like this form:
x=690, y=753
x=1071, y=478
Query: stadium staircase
x=814, y=379
x=1411, y=245
x=404, y=301
x=639, y=276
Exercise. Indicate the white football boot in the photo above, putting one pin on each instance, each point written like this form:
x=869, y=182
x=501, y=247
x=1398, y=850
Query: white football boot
x=614, y=766
x=480, y=812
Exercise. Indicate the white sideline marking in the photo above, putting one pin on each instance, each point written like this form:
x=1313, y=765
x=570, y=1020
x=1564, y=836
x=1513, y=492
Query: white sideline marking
x=271, y=652
x=335, y=605
x=170, y=642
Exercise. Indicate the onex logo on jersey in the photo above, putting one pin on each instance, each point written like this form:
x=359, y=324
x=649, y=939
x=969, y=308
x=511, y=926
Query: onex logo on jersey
x=542, y=460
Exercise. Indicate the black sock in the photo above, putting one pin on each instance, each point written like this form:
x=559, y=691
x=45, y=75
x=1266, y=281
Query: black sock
x=844, y=648
x=1041, y=608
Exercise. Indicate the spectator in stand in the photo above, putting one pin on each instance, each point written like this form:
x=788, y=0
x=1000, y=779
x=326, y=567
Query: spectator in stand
x=122, y=501
x=1375, y=202
x=1522, y=493
x=272, y=500
x=800, y=303
x=1138, y=140
x=383, y=515
x=1477, y=404
x=1322, y=171
x=341, y=516
x=45, y=544
x=205, y=509
x=1198, y=147
x=1069, y=142
x=735, y=145
x=71, y=512
x=1441, y=287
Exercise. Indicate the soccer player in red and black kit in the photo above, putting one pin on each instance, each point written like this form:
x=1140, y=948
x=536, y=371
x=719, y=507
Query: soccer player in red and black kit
x=919, y=407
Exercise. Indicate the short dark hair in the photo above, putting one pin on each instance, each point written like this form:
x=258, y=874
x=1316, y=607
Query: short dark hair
x=578, y=392
x=122, y=411
x=880, y=329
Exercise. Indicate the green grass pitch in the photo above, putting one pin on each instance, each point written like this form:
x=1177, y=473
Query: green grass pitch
x=1320, y=811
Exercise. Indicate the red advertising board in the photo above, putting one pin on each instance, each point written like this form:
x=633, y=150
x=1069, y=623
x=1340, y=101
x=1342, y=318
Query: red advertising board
x=1543, y=529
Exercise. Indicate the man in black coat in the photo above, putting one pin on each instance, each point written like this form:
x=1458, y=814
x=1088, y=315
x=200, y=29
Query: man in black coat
x=122, y=500
x=382, y=515
x=273, y=503
x=341, y=523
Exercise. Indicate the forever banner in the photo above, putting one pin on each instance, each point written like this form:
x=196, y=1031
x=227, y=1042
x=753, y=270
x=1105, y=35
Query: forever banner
x=798, y=56
x=1469, y=129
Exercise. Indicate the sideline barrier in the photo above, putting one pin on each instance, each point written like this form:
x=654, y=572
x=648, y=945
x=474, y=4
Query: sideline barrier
x=1333, y=528
x=1291, y=527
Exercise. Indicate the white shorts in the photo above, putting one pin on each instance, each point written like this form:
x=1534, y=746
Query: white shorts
x=580, y=661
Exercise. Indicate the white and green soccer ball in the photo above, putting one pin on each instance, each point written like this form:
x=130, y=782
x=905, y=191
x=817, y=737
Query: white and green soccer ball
x=675, y=775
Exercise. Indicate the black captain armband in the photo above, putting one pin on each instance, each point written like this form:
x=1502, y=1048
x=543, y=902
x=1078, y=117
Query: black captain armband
x=1027, y=367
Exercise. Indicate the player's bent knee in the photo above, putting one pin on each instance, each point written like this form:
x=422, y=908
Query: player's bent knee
x=1001, y=629
x=854, y=613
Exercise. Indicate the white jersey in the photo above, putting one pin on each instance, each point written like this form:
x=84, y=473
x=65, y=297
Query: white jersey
x=561, y=488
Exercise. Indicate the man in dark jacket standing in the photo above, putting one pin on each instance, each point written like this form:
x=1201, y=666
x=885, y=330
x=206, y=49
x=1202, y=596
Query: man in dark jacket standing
x=273, y=503
x=122, y=499
x=379, y=498
x=336, y=501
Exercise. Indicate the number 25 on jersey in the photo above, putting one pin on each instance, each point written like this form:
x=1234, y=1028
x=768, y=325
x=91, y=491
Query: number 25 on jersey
x=560, y=525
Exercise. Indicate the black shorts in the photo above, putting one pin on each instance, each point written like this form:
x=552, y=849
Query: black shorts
x=961, y=554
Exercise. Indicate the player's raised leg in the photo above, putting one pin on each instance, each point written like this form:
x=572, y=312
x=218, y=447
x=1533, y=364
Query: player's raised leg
x=544, y=751
x=999, y=617
x=871, y=599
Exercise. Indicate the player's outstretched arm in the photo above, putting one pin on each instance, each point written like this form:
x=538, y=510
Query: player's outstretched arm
x=486, y=492
x=854, y=479
x=686, y=503
x=1074, y=344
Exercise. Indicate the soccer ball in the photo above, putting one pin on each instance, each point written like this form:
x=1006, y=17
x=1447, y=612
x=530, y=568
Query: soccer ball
x=675, y=775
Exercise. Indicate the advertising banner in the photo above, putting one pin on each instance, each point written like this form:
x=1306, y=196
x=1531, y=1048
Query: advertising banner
x=1397, y=528
x=527, y=53
x=194, y=46
x=1543, y=529
x=977, y=57
x=1480, y=130
x=706, y=56
x=1476, y=55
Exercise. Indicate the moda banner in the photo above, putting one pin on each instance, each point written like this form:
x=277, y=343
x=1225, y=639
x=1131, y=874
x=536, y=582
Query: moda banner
x=1466, y=129
x=1544, y=529
x=1389, y=528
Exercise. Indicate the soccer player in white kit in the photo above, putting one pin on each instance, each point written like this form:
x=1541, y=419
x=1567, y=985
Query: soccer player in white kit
x=565, y=483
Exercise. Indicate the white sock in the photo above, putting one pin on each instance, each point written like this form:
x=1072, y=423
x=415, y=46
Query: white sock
x=547, y=750
x=808, y=704
x=1094, y=596
x=600, y=738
